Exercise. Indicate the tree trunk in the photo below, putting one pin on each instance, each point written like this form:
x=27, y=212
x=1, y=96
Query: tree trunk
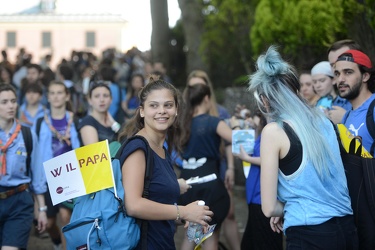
x=193, y=24
x=160, y=31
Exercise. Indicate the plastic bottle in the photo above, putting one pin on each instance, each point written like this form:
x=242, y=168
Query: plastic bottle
x=194, y=230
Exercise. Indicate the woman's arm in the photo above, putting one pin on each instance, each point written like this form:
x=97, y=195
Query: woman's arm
x=224, y=131
x=133, y=171
x=89, y=135
x=229, y=173
x=273, y=137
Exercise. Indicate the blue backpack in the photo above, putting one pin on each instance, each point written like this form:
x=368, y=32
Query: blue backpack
x=99, y=220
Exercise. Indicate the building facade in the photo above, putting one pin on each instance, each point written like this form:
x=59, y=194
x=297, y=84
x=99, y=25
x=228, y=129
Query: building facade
x=43, y=30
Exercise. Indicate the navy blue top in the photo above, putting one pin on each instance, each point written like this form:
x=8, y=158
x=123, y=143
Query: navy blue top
x=103, y=132
x=164, y=189
x=204, y=141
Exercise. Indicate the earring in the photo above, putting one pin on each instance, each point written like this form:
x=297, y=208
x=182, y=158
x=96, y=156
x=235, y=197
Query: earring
x=176, y=114
x=142, y=115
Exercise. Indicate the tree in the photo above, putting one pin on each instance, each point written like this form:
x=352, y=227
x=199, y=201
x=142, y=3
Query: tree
x=362, y=29
x=226, y=41
x=303, y=28
x=193, y=24
x=160, y=31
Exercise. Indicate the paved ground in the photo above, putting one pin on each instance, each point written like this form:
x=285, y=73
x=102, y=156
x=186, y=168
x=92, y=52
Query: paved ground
x=37, y=243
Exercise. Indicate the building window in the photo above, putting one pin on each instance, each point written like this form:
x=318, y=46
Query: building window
x=90, y=39
x=46, y=40
x=11, y=39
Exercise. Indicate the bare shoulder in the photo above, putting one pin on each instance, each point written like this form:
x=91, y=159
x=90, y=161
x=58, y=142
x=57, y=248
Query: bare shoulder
x=272, y=129
x=273, y=132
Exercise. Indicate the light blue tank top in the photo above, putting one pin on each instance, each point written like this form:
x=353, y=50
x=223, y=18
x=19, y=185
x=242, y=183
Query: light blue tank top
x=308, y=199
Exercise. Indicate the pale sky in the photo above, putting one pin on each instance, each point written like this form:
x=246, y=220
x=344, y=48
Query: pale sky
x=136, y=12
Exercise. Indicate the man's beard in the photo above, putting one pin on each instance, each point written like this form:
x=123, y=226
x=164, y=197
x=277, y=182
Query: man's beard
x=353, y=91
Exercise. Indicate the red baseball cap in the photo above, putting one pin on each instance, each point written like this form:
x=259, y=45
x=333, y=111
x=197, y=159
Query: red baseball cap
x=357, y=57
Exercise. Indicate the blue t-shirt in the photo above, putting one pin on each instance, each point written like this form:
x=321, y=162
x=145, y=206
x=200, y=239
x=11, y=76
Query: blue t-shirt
x=253, y=180
x=164, y=189
x=133, y=102
x=342, y=102
x=118, y=95
x=204, y=141
x=355, y=121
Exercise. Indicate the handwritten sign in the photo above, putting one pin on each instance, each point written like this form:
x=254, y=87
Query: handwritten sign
x=78, y=172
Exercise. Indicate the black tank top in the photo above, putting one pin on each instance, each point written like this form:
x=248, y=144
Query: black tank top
x=291, y=162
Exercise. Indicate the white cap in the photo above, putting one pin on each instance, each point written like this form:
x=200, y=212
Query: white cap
x=322, y=68
x=201, y=203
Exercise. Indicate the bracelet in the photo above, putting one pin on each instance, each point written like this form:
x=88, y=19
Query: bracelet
x=115, y=127
x=236, y=127
x=178, y=212
x=43, y=209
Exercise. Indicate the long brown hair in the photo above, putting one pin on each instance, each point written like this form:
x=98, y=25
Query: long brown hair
x=203, y=75
x=136, y=123
x=194, y=96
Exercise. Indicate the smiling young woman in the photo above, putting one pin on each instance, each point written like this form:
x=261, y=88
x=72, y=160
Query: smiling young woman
x=157, y=121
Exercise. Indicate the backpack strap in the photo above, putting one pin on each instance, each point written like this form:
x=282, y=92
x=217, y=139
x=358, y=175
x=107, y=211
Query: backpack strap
x=147, y=180
x=28, y=139
x=370, y=124
x=38, y=125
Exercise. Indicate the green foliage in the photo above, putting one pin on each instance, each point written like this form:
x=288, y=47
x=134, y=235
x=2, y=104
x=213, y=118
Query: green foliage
x=298, y=23
x=225, y=43
x=369, y=8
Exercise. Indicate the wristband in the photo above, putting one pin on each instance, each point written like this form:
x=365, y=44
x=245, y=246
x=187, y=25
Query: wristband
x=43, y=209
x=178, y=212
x=115, y=127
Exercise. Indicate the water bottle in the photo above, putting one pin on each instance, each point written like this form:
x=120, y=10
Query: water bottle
x=195, y=229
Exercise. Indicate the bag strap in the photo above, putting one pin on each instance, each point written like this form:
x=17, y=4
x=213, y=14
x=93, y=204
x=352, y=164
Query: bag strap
x=147, y=180
x=38, y=125
x=28, y=139
x=370, y=124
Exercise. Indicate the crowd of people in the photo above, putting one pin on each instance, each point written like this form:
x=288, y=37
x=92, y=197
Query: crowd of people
x=296, y=189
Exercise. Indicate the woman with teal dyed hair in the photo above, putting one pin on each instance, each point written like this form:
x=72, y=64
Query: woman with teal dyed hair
x=303, y=183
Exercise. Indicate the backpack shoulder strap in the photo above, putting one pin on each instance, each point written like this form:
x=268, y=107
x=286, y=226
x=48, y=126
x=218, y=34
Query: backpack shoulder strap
x=147, y=180
x=370, y=124
x=28, y=139
x=38, y=124
x=149, y=162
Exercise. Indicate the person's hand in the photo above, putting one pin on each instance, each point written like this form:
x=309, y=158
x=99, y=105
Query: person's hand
x=184, y=187
x=276, y=224
x=196, y=214
x=242, y=155
x=42, y=222
x=336, y=114
x=229, y=178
